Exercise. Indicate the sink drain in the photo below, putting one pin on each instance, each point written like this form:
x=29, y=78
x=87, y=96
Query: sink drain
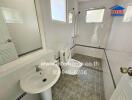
x=44, y=80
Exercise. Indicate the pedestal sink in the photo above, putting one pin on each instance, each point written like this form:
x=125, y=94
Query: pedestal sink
x=41, y=82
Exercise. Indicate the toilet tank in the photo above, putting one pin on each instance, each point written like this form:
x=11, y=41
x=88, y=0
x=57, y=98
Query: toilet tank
x=65, y=55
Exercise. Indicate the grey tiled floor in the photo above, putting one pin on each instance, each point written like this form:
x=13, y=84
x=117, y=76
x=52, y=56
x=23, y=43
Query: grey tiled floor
x=87, y=86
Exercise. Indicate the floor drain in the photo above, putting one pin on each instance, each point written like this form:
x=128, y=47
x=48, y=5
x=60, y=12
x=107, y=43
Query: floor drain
x=44, y=80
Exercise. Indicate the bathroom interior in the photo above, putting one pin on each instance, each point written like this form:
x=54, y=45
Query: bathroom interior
x=65, y=49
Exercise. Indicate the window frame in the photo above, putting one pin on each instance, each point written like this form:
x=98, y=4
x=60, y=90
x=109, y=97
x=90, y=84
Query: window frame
x=59, y=21
x=91, y=10
x=125, y=12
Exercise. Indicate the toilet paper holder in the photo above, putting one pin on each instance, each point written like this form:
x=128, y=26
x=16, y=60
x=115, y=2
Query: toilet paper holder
x=126, y=70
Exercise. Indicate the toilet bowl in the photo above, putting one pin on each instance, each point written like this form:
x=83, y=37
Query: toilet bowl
x=68, y=65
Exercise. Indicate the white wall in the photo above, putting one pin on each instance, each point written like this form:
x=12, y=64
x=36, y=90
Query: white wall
x=58, y=34
x=119, y=49
x=119, y=45
x=89, y=51
x=93, y=34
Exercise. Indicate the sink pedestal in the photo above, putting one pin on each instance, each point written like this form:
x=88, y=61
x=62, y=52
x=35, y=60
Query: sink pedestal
x=41, y=81
x=46, y=95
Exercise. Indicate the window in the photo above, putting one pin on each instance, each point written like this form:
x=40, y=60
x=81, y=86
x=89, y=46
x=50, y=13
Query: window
x=95, y=16
x=70, y=18
x=58, y=10
x=128, y=15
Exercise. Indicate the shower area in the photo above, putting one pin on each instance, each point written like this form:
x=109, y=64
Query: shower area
x=91, y=32
x=100, y=43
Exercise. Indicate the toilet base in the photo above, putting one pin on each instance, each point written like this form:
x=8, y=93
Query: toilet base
x=72, y=67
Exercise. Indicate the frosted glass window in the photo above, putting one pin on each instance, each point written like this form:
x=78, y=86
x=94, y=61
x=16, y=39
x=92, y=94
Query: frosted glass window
x=58, y=10
x=128, y=15
x=95, y=16
x=70, y=18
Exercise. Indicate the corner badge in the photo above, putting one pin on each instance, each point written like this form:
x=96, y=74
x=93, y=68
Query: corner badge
x=117, y=10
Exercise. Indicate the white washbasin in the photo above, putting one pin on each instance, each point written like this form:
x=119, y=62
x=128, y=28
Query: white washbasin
x=41, y=81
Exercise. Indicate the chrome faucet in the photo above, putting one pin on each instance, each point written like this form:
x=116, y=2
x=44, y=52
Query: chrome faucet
x=37, y=68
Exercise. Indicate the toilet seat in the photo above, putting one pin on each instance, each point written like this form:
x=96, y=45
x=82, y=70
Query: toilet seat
x=74, y=63
x=71, y=67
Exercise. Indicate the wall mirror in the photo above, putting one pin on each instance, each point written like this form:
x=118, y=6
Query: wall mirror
x=19, y=29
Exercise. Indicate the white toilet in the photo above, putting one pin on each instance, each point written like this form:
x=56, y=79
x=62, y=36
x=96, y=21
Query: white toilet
x=69, y=66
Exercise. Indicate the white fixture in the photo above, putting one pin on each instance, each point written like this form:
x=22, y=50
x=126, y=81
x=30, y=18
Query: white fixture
x=42, y=81
x=124, y=89
x=69, y=66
